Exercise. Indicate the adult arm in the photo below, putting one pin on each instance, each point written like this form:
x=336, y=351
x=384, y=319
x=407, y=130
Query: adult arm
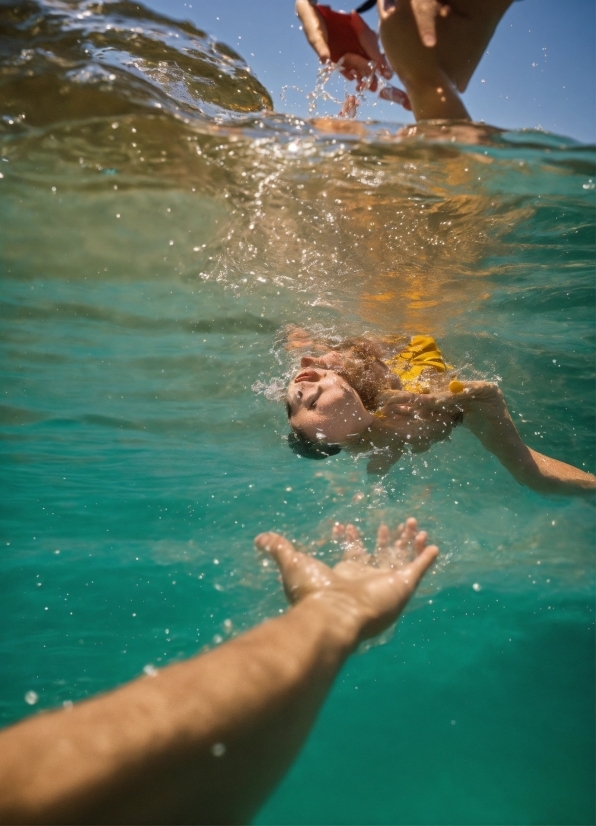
x=206, y=740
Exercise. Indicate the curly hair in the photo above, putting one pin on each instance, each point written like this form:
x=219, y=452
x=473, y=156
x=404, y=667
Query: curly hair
x=357, y=370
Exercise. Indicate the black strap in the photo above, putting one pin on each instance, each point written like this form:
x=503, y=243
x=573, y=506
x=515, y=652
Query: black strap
x=368, y=4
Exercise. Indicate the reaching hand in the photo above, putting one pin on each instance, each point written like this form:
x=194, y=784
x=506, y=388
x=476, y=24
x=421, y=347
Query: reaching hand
x=372, y=588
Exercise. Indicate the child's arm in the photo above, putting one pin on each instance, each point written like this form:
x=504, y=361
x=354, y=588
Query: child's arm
x=314, y=29
x=487, y=416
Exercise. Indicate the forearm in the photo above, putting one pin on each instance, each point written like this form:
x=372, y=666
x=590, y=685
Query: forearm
x=203, y=741
x=498, y=434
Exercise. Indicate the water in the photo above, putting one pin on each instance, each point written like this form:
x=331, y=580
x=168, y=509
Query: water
x=150, y=257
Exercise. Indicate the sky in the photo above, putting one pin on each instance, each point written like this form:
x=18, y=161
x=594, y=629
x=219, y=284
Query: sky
x=539, y=69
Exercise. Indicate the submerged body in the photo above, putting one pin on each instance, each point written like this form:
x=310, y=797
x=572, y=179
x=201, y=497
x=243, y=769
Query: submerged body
x=362, y=397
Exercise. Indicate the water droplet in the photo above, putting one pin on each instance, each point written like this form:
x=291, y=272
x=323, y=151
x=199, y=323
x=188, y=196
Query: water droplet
x=31, y=698
x=218, y=749
x=150, y=670
x=476, y=586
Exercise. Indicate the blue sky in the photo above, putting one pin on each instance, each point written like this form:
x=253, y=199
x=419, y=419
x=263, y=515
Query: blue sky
x=539, y=69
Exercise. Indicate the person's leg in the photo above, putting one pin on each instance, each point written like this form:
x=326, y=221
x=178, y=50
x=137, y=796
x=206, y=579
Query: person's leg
x=464, y=34
x=431, y=91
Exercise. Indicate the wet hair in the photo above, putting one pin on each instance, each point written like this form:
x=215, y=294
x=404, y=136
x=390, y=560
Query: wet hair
x=307, y=449
x=356, y=372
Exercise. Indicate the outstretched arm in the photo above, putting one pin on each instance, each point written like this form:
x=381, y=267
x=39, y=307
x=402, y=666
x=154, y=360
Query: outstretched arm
x=206, y=740
x=487, y=416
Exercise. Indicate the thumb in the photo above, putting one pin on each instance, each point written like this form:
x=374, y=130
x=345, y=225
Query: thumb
x=292, y=564
x=279, y=549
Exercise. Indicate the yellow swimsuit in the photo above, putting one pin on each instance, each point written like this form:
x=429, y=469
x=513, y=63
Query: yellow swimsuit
x=421, y=354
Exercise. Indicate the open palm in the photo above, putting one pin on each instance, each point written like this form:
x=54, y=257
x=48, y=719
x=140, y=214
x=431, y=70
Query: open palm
x=374, y=587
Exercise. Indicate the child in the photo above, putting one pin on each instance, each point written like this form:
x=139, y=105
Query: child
x=382, y=395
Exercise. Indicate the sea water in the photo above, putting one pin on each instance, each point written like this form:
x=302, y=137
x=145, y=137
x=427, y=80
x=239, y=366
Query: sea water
x=159, y=227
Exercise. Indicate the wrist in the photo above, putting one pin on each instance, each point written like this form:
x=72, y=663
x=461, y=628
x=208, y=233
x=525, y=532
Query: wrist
x=335, y=617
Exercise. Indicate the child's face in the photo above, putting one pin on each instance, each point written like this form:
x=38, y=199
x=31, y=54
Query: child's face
x=323, y=406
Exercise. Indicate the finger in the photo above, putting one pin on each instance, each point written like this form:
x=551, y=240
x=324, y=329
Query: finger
x=395, y=95
x=358, y=64
x=354, y=549
x=300, y=573
x=279, y=549
x=382, y=554
x=420, y=542
x=355, y=552
x=352, y=533
x=338, y=531
x=384, y=67
x=425, y=12
x=408, y=533
x=382, y=537
x=414, y=572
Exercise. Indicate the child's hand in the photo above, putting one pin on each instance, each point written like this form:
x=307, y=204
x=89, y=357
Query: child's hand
x=476, y=396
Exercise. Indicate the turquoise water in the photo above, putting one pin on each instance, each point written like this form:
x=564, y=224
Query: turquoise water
x=150, y=257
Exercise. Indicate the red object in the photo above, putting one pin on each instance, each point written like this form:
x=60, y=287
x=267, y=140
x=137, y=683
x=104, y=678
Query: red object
x=342, y=32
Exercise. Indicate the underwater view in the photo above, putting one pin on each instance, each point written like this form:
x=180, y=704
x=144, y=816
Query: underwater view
x=161, y=230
